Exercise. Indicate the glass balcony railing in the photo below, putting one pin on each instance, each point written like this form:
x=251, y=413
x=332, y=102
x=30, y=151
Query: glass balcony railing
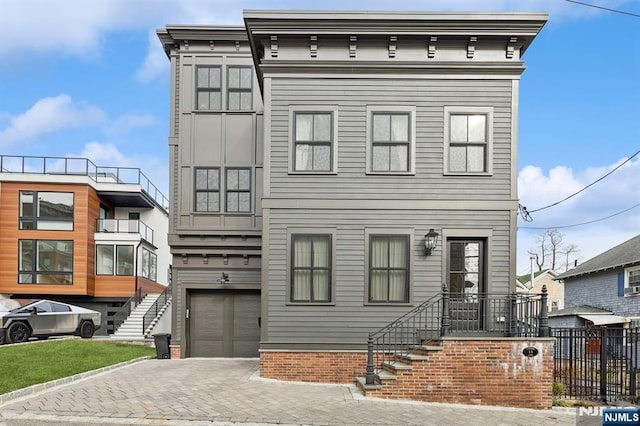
x=125, y=226
x=82, y=167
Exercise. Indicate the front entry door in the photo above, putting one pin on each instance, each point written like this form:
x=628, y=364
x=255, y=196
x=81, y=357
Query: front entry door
x=465, y=272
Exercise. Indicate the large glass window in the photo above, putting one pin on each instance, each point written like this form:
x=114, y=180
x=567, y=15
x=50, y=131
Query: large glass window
x=239, y=82
x=468, y=139
x=313, y=140
x=238, y=189
x=207, y=192
x=208, y=84
x=105, y=259
x=45, y=262
x=149, y=264
x=389, y=269
x=46, y=210
x=465, y=267
x=311, y=268
x=116, y=259
x=391, y=142
x=124, y=260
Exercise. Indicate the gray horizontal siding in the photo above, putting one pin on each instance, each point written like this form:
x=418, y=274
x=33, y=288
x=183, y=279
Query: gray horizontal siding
x=349, y=320
x=429, y=97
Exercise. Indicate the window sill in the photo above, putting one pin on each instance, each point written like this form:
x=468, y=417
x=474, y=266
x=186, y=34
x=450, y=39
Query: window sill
x=388, y=304
x=311, y=173
x=310, y=304
x=484, y=174
x=390, y=173
x=224, y=111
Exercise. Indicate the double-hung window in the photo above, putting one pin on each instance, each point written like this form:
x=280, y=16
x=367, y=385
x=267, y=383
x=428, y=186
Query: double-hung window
x=238, y=190
x=314, y=146
x=45, y=261
x=46, y=210
x=208, y=85
x=389, y=268
x=239, y=93
x=390, y=139
x=468, y=140
x=311, y=273
x=207, y=189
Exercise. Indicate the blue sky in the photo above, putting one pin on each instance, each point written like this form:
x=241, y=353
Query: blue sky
x=90, y=79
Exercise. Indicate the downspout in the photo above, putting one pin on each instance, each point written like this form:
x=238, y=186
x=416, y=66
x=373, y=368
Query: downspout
x=136, y=270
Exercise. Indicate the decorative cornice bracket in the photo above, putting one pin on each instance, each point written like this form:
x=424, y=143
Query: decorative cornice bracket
x=313, y=46
x=511, y=47
x=274, y=46
x=471, y=47
x=393, y=40
x=431, y=49
x=352, y=46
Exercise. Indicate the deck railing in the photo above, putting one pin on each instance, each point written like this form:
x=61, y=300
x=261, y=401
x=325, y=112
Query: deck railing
x=82, y=167
x=125, y=226
x=155, y=309
x=512, y=314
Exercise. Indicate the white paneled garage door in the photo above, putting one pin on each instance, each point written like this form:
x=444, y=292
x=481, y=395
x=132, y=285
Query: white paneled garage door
x=223, y=323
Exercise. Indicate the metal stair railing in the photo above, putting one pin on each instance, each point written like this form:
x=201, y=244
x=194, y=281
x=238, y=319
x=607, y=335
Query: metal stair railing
x=405, y=332
x=125, y=310
x=154, y=310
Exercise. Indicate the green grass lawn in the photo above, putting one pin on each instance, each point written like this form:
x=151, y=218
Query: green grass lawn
x=26, y=365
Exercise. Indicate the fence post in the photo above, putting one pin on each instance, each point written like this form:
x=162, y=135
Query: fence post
x=513, y=315
x=543, y=322
x=445, y=328
x=370, y=373
x=603, y=363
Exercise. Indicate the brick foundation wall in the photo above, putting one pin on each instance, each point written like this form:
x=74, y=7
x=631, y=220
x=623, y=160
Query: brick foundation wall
x=175, y=352
x=319, y=367
x=487, y=371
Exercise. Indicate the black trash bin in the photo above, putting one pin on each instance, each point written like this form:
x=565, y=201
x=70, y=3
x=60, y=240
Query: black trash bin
x=162, y=342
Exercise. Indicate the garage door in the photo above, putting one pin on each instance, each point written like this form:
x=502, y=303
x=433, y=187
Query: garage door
x=223, y=323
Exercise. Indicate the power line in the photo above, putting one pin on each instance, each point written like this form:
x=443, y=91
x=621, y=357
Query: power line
x=604, y=8
x=576, y=193
x=583, y=223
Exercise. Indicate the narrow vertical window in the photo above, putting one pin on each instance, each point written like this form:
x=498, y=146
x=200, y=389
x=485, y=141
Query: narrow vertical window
x=208, y=84
x=238, y=190
x=313, y=141
x=239, y=88
x=207, y=190
x=311, y=268
x=389, y=269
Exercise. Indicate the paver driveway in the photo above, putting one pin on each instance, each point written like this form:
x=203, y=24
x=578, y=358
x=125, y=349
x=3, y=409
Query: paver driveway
x=228, y=391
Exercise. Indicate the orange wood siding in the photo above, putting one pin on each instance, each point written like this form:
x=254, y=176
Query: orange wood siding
x=115, y=285
x=86, y=206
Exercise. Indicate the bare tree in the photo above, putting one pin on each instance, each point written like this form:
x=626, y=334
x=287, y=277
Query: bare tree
x=548, y=247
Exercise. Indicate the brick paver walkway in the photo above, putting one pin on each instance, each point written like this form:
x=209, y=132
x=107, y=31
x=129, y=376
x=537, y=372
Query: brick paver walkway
x=228, y=391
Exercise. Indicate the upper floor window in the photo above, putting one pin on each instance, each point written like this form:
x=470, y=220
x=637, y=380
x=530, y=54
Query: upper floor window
x=46, y=210
x=313, y=141
x=468, y=140
x=45, y=262
x=311, y=268
x=114, y=260
x=632, y=281
x=207, y=189
x=238, y=189
x=390, y=139
x=239, y=84
x=208, y=85
x=389, y=264
x=149, y=265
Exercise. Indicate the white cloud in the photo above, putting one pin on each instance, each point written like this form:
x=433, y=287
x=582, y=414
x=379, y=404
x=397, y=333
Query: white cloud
x=127, y=122
x=155, y=64
x=49, y=115
x=613, y=194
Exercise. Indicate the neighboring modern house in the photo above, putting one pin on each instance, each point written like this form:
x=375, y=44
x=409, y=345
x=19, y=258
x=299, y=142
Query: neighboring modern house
x=311, y=156
x=609, y=281
x=79, y=233
x=546, y=277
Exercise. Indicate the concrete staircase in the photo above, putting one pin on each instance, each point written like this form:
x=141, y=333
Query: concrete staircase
x=163, y=309
x=131, y=328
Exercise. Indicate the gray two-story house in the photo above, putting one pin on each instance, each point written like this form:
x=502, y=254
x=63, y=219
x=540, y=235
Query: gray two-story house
x=316, y=157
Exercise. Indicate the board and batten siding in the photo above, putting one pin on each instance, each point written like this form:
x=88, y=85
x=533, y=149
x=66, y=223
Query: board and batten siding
x=349, y=319
x=429, y=97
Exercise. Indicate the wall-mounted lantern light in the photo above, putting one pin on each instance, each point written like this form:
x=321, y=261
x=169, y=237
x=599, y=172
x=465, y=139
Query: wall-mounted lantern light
x=430, y=241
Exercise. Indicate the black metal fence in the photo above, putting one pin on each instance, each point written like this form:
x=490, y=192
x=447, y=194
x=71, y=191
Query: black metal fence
x=597, y=363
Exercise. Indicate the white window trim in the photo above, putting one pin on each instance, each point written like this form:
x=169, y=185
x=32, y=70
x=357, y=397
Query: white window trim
x=293, y=109
x=371, y=109
x=488, y=111
x=367, y=246
x=627, y=272
x=289, y=264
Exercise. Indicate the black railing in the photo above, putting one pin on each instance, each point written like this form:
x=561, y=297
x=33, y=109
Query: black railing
x=597, y=363
x=125, y=226
x=125, y=310
x=156, y=308
x=512, y=314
